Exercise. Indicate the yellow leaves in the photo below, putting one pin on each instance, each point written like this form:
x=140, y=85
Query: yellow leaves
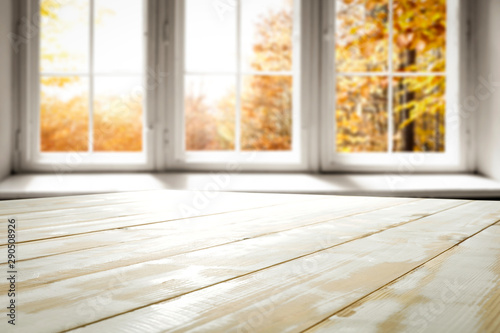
x=420, y=102
x=208, y=126
x=48, y=8
x=404, y=40
x=361, y=115
x=266, y=114
x=361, y=120
x=65, y=122
x=362, y=36
x=421, y=45
x=64, y=125
x=118, y=124
x=362, y=30
x=420, y=26
x=58, y=81
x=273, y=48
x=399, y=107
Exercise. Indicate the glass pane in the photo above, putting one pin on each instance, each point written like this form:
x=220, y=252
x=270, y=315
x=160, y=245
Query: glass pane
x=209, y=104
x=419, y=113
x=119, y=35
x=419, y=35
x=361, y=115
x=118, y=114
x=64, y=41
x=266, y=113
x=210, y=37
x=362, y=36
x=64, y=114
x=266, y=28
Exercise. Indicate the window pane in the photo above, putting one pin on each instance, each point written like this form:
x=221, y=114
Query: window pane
x=267, y=27
x=361, y=35
x=119, y=36
x=419, y=113
x=118, y=113
x=266, y=114
x=209, y=105
x=64, y=114
x=419, y=35
x=361, y=115
x=210, y=36
x=64, y=41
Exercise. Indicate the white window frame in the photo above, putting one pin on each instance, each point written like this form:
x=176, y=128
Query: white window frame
x=178, y=158
x=32, y=159
x=454, y=157
x=314, y=87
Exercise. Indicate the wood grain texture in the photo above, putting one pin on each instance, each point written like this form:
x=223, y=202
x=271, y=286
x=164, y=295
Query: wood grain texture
x=296, y=294
x=458, y=291
x=301, y=241
x=211, y=262
x=134, y=262
x=97, y=214
x=214, y=229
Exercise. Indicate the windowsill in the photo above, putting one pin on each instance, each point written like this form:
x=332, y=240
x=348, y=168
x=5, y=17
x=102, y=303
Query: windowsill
x=415, y=185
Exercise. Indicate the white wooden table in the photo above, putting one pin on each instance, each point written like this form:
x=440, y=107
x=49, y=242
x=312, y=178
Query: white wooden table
x=175, y=261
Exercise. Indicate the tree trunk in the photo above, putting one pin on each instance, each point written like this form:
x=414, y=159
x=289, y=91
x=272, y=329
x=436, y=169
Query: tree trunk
x=436, y=131
x=408, y=132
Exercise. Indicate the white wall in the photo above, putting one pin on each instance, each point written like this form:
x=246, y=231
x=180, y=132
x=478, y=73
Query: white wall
x=5, y=88
x=487, y=36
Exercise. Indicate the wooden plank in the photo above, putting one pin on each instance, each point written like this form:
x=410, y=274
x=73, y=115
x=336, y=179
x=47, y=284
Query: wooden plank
x=145, y=283
x=12, y=207
x=459, y=291
x=291, y=296
x=178, y=205
x=78, y=207
x=206, y=232
x=48, y=204
x=237, y=225
x=174, y=208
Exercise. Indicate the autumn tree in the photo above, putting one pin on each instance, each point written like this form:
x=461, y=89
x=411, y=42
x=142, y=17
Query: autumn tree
x=63, y=123
x=266, y=114
x=419, y=46
x=266, y=100
x=208, y=128
x=362, y=45
x=64, y=100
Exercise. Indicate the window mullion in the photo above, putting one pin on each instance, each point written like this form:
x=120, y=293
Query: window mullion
x=390, y=124
x=91, y=79
x=237, y=132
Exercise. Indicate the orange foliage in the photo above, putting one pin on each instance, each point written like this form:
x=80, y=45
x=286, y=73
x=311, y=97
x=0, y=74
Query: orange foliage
x=266, y=100
x=362, y=45
x=207, y=130
x=118, y=124
x=427, y=112
x=361, y=119
x=420, y=26
x=266, y=114
x=64, y=125
x=64, y=107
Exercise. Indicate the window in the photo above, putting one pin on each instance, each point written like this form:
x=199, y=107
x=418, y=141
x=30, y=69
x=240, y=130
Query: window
x=394, y=74
x=89, y=104
x=349, y=85
x=240, y=68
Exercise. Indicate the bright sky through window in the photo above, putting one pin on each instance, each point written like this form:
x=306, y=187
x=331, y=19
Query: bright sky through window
x=91, y=71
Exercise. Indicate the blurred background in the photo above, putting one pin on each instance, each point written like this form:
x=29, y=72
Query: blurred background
x=386, y=97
